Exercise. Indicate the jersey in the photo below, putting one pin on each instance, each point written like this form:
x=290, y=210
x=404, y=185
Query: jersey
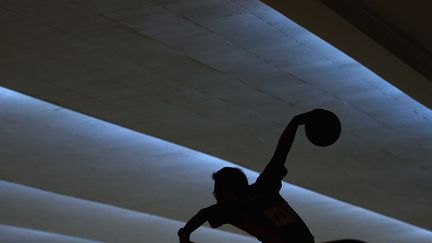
x=263, y=213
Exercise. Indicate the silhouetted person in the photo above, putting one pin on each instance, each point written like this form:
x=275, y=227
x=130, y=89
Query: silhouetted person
x=258, y=208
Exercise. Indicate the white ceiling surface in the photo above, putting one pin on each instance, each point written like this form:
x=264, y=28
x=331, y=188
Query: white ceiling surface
x=222, y=77
x=118, y=180
x=381, y=38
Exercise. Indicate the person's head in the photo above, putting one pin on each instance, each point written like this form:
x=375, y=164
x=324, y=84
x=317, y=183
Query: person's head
x=230, y=184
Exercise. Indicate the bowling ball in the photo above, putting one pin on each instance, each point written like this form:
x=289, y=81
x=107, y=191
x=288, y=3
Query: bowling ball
x=322, y=127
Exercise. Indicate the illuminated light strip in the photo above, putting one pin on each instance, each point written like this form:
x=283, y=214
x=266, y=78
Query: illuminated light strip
x=333, y=54
x=10, y=233
x=322, y=46
x=89, y=220
x=298, y=194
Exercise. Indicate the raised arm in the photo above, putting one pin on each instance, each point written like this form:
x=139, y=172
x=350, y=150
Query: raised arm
x=194, y=223
x=286, y=140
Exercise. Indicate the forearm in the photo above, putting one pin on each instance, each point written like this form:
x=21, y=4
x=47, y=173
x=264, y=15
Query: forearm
x=284, y=144
x=194, y=223
x=286, y=139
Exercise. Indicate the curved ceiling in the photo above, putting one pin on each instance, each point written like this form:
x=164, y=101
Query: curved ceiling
x=391, y=39
x=224, y=78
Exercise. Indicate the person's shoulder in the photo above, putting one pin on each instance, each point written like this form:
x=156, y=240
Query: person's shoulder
x=272, y=172
x=211, y=208
x=270, y=180
x=257, y=190
x=253, y=188
x=218, y=207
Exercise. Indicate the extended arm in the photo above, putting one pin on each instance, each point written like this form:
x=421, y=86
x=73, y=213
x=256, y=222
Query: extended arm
x=286, y=140
x=194, y=223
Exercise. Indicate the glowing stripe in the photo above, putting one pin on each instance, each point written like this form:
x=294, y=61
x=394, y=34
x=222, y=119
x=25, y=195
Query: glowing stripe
x=100, y=221
x=10, y=233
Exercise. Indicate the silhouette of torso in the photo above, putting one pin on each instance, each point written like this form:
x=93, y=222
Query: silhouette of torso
x=263, y=213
